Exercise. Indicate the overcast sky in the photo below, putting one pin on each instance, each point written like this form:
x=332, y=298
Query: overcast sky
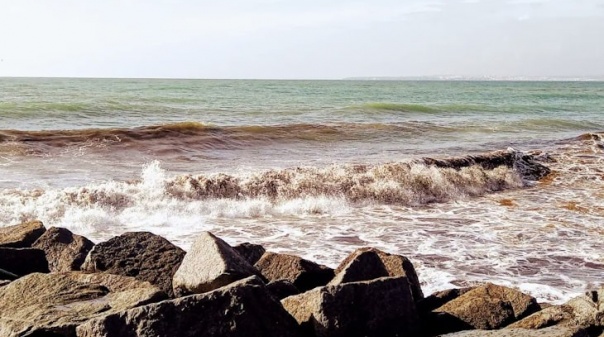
x=301, y=39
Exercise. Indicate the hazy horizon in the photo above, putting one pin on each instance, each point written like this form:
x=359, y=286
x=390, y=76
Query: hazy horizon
x=278, y=39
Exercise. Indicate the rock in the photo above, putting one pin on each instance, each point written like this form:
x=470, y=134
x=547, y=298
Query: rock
x=250, y=252
x=381, y=307
x=142, y=255
x=23, y=261
x=582, y=311
x=439, y=298
x=210, y=264
x=64, y=250
x=486, y=307
x=241, y=309
x=549, y=332
x=4, y=282
x=304, y=274
x=54, y=304
x=281, y=289
x=6, y=275
x=22, y=235
x=369, y=263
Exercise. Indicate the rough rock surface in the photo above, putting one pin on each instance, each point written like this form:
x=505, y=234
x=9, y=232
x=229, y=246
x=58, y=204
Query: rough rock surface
x=369, y=263
x=210, y=264
x=54, y=304
x=549, y=332
x=304, y=274
x=486, y=307
x=142, y=255
x=382, y=307
x=250, y=252
x=241, y=309
x=22, y=235
x=23, y=261
x=439, y=298
x=281, y=289
x=64, y=250
x=4, y=282
x=583, y=311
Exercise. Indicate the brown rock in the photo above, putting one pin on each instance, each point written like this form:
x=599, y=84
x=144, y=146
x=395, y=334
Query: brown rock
x=370, y=263
x=142, y=255
x=210, y=264
x=241, y=309
x=439, y=298
x=382, y=307
x=549, y=332
x=304, y=274
x=250, y=252
x=281, y=289
x=54, y=304
x=486, y=307
x=23, y=261
x=583, y=311
x=4, y=282
x=22, y=235
x=64, y=250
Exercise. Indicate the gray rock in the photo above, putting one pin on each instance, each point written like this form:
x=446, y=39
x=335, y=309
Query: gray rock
x=304, y=274
x=370, y=263
x=23, y=261
x=54, y=304
x=210, y=264
x=241, y=309
x=382, y=307
x=142, y=255
x=64, y=250
x=22, y=235
x=250, y=252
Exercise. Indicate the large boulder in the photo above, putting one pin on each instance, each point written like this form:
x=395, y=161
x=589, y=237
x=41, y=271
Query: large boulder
x=369, y=263
x=382, y=307
x=439, y=298
x=23, y=261
x=54, y=304
x=241, y=309
x=22, y=235
x=304, y=274
x=486, y=307
x=210, y=264
x=142, y=255
x=64, y=250
x=250, y=252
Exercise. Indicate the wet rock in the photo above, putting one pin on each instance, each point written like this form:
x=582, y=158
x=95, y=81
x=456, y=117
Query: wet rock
x=304, y=274
x=64, y=250
x=142, y=255
x=381, y=307
x=23, y=261
x=54, y=304
x=22, y=235
x=371, y=263
x=241, y=309
x=486, y=307
x=210, y=264
x=250, y=252
x=549, y=332
x=281, y=289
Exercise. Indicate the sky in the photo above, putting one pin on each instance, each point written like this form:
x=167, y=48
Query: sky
x=310, y=39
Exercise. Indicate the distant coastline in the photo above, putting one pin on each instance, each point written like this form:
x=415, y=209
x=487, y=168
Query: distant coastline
x=480, y=78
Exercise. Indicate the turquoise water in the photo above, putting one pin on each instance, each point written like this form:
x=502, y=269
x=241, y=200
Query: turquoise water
x=319, y=168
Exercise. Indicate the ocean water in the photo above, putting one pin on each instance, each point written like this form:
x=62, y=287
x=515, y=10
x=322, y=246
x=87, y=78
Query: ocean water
x=319, y=168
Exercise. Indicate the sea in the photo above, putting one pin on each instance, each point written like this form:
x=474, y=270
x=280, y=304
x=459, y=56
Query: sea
x=320, y=168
